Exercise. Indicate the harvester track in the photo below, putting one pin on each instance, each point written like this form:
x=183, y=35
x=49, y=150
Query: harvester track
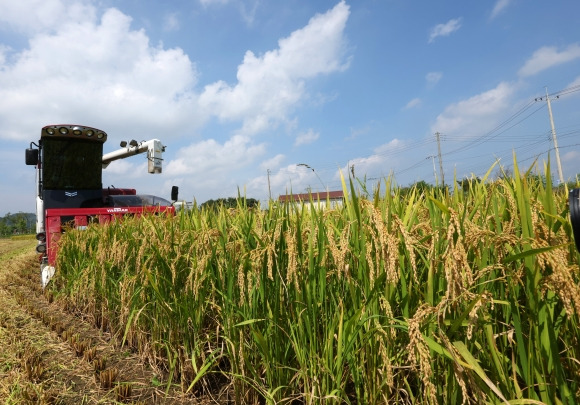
x=49, y=355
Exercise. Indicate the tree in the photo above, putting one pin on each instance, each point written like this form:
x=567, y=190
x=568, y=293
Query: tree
x=20, y=223
x=16, y=223
x=230, y=202
x=468, y=182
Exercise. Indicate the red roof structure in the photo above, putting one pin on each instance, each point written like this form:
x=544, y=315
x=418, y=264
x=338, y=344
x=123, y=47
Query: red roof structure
x=315, y=195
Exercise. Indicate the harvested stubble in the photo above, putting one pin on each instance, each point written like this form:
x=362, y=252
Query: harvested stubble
x=421, y=296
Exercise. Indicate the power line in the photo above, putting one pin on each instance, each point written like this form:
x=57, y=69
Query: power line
x=533, y=143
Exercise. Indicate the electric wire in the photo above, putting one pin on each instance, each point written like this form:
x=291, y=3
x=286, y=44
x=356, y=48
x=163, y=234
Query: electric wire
x=535, y=145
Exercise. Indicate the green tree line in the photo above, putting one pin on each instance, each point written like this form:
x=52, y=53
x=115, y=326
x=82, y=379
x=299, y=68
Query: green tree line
x=14, y=224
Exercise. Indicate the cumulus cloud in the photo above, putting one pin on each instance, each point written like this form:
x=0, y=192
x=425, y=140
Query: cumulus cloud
x=305, y=138
x=499, y=7
x=443, y=30
x=247, y=8
x=547, y=57
x=34, y=16
x=105, y=72
x=171, y=22
x=575, y=82
x=213, y=167
x=416, y=102
x=88, y=65
x=212, y=2
x=472, y=116
x=572, y=156
x=269, y=86
x=290, y=178
x=210, y=157
x=383, y=160
x=272, y=163
x=91, y=71
x=433, y=78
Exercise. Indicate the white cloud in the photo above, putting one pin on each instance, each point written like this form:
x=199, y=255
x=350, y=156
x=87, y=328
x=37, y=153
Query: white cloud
x=271, y=85
x=433, y=78
x=171, y=22
x=88, y=66
x=213, y=169
x=247, y=8
x=547, y=57
x=34, y=16
x=272, y=163
x=572, y=156
x=291, y=178
x=416, y=102
x=360, y=131
x=93, y=72
x=390, y=147
x=499, y=7
x=575, y=82
x=476, y=114
x=385, y=158
x=111, y=76
x=443, y=30
x=209, y=157
x=305, y=138
x=206, y=3
x=122, y=166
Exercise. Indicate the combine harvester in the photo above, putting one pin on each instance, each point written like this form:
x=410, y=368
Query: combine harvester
x=69, y=161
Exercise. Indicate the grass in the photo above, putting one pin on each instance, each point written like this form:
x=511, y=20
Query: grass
x=419, y=297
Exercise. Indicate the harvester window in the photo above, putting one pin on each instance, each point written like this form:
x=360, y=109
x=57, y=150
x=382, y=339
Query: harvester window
x=143, y=200
x=70, y=164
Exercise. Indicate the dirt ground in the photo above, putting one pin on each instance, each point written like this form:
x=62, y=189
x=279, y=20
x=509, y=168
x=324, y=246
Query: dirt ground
x=50, y=356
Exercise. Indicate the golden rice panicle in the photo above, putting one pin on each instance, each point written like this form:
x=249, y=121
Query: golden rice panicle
x=387, y=245
x=370, y=261
x=561, y=278
x=199, y=257
x=374, y=229
x=512, y=207
x=474, y=393
x=482, y=300
x=333, y=246
x=387, y=340
x=270, y=238
x=458, y=271
x=344, y=250
x=242, y=283
x=410, y=243
x=388, y=312
x=292, y=270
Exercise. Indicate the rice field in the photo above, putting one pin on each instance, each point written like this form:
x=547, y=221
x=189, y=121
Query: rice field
x=418, y=297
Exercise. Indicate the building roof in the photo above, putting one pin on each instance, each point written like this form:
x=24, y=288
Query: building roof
x=316, y=196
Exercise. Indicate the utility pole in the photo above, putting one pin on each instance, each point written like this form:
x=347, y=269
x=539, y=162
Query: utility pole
x=440, y=161
x=554, y=138
x=434, y=170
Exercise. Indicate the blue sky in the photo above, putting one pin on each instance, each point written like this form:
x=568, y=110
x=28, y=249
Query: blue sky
x=269, y=96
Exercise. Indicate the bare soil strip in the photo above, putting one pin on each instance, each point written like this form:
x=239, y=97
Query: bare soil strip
x=50, y=356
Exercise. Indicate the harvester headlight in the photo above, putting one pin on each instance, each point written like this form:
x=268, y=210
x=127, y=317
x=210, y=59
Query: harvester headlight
x=100, y=135
x=89, y=132
x=41, y=236
x=41, y=248
x=50, y=131
x=63, y=130
x=77, y=131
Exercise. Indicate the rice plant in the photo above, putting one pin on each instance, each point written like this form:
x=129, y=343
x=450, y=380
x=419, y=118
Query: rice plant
x=430, y=296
